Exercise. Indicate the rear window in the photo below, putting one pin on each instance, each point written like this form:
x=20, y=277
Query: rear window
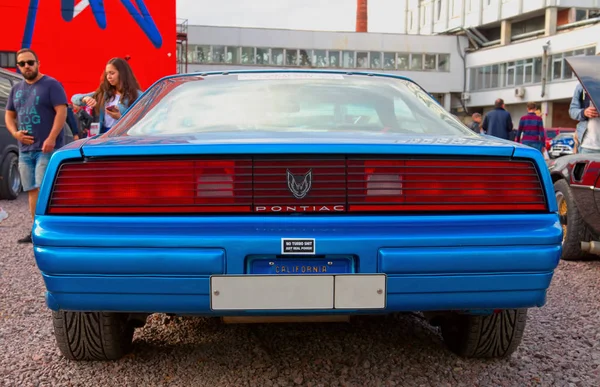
x=290, y=102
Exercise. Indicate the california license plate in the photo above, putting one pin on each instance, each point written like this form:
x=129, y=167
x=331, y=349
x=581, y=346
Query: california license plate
x=299, y=266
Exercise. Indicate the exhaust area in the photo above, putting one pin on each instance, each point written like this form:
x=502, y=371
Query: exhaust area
x=283, y=319
x=592, y=247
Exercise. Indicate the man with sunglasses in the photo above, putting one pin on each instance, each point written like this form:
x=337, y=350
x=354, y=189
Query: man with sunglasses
x=35, y=116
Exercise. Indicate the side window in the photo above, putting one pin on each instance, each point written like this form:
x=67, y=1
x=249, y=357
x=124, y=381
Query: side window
x=5, y=87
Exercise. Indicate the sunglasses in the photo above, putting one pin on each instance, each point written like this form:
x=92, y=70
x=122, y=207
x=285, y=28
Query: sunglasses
x=24, y=62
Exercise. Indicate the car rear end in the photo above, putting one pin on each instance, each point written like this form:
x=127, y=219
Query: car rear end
x=331, y=226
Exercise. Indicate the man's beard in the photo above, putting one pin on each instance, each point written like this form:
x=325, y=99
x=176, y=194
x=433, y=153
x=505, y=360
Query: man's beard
x=30, y=76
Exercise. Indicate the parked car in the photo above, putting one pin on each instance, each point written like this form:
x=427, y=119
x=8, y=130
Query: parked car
x=10, y=179
x=303, y=194
x=562, y=145
x=552, y=133
x=577, y=181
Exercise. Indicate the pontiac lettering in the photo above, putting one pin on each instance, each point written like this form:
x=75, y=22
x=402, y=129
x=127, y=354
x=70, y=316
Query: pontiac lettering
x=338, y=208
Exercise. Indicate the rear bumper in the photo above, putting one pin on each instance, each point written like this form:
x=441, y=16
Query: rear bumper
x=165, y=264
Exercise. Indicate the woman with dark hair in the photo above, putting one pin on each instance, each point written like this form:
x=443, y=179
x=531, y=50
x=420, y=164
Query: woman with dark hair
x=117, y=91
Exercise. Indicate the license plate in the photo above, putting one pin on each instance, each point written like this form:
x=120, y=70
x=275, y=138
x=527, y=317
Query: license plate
x=298, y=292
x=300, y=266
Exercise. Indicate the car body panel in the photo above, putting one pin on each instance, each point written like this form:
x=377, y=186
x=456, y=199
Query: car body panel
x=561, y=145
x=552, y=133
x=164, y=263
x=445, y=269
x=582, y=171
x=583, y=184
x=587, y=70
x=8, y=144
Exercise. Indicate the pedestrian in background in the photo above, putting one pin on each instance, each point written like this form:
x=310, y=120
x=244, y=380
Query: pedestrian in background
x=531, y=129
x=498, y=122
x=587, y=136
x=35, y=115
x=84, y=119
x=117, y=91
x=476, y=124
x=73, y=123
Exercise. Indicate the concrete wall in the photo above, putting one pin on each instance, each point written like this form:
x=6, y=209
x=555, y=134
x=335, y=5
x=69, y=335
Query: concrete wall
x=473, y=13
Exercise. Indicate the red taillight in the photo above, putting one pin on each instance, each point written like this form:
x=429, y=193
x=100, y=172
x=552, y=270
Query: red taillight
x=443, y=185
x=174, y=186
x=319, y=185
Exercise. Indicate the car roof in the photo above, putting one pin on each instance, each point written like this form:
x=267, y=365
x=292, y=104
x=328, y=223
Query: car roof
x=13, y=75
x=587, y=70
x=284, y=71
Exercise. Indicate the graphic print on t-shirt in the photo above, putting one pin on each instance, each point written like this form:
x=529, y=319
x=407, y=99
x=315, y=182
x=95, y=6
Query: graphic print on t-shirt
x=34, y=106
x=27, y=115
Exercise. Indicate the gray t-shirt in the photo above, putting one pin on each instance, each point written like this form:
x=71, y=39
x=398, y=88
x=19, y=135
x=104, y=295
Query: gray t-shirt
x=591, y=139
x=34, y=105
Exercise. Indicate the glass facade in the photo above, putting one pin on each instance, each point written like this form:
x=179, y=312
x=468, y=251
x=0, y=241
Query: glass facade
x=525, y=71
x=319, y=58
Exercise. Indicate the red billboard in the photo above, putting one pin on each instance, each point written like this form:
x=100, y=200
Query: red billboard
x=75, y=38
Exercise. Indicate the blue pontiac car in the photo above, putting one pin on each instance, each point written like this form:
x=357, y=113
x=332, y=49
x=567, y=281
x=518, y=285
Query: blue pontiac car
x=266, y=195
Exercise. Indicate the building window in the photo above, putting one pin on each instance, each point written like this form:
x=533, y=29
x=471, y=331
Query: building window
x=444, y=62
x=319, y=58
x=8, y=59
x=468, y=5
x=247, y=55
x=200, y=54
x=403, y=61
x=375, y=58
x=430, y=62
x=438, y=10
x=362, y=60
x=218, y=54
x=291, y=57
x=537, y=70
x=348, y=59
x=233, y=55
x=277, y=56
x=556, y=67
x=523, y=72
x=389, y=61
x=334, y=59
x=456, y=7
x=416, y=62
x=263, y=56
x=305, y=58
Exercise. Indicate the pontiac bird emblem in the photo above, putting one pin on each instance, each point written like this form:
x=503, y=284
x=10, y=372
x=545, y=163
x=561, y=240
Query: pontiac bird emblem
x=300, y=185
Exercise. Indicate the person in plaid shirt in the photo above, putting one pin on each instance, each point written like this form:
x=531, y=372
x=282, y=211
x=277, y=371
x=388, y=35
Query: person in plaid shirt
x=531, y=129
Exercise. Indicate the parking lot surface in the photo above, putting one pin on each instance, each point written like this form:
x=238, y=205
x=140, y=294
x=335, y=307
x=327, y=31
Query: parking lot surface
x=561, y=346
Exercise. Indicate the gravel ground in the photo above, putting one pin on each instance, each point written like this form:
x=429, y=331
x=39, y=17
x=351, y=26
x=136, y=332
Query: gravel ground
x=561, y=346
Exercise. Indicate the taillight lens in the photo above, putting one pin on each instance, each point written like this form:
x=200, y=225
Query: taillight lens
x=257, y=185
x=443, y=185
x=175, y=186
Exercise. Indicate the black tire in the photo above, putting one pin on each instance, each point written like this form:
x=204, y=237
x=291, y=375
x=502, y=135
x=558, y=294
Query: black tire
x=93, y=335
x=484, y=336
x=574, y=228
x=10, y=179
